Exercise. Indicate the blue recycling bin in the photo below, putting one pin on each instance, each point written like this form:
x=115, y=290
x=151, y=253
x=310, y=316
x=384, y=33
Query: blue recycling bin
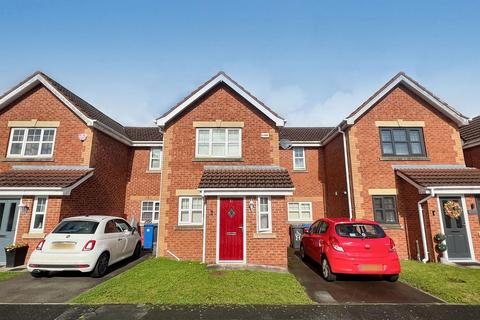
x=148, y=236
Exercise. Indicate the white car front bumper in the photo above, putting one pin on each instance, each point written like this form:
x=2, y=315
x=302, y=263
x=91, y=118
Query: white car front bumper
x=84, y=261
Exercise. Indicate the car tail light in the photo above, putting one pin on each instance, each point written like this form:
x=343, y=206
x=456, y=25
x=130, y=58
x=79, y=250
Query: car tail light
x=336, y=244
x=392, y=246
x=89, y=245
x=40, y=245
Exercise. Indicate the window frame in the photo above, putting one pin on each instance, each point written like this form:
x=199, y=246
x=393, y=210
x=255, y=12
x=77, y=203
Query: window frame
x=210, y=143
x=383, y=221
x=408, y=141
x=189, y=210
x=151, y=158
x=260, y=214
x=24, y=143
x=294, y=157
x=35, y=213
x=153, y=211
x=300, y=211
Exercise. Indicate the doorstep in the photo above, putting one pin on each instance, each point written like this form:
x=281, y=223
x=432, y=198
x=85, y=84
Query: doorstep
x=243, y=266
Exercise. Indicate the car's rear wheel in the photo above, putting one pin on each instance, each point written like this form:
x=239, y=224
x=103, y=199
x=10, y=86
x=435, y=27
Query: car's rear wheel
x=391, y=277
x=101, y=266
x=302, y=252
x=137, y=252
x=327, y=271
x=39, y=273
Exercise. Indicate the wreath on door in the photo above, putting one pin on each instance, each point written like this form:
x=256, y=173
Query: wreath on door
x=452, y=209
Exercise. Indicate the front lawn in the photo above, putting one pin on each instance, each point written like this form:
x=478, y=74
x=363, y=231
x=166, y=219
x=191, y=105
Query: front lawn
x=450, y=283
x=164, y=281
x=5, y=275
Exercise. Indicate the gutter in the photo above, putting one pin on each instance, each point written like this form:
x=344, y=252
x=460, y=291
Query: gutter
x=347, y=173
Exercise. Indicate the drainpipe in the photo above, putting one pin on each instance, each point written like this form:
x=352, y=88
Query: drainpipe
x=204, y=226
x=422, y=227
x=347, y=173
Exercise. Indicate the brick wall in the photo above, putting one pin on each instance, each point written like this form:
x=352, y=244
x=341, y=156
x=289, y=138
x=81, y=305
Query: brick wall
x=42, y=105
x=472, y=156
x=335, y=179
x=142, y=184
x=310, y=183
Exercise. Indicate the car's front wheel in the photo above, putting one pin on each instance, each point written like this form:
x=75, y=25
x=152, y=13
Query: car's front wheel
x=137, y=252
x=302, y=252
x=391, y=277
x=101, y=266
x=327, y=271
x=39, y=273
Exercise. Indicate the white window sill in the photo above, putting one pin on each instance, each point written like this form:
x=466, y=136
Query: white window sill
x=33, y=235
x=189, y=227
x=299, y=221
x=154, y=171
x=28, y=159
x=219, y=159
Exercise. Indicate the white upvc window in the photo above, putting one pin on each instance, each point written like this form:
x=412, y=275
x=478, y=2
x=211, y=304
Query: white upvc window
x=150, y=211
x=190, y=211
x=155, y=159
x=38, y=214
x=218, y=143
x=31, y=142
x=299, y=158
x=299, y=211
x=264, y=214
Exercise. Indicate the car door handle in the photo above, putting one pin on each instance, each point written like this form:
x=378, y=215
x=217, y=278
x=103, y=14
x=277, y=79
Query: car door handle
x=120, y=239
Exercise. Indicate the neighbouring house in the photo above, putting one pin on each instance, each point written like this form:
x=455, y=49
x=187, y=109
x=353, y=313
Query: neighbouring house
x=471, y=142
x=223, y=178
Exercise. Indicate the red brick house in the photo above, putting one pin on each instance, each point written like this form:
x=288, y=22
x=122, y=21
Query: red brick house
x=223, y=178
x=60, y=157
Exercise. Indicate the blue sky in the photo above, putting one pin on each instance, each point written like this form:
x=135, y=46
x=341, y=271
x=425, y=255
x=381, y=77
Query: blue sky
x=311, y=61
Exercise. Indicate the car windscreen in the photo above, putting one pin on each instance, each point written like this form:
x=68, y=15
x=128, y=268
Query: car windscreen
x=76, y=227
x=359, y=230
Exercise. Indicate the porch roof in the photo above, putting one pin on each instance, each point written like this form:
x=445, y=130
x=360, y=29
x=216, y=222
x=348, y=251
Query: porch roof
x=245, y=178
x=461, y=180
x=44, y=181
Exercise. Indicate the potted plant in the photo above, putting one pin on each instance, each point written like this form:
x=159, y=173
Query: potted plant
x=16, y=254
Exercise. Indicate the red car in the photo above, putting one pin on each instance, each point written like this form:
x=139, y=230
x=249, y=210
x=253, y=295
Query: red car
x=347, y=246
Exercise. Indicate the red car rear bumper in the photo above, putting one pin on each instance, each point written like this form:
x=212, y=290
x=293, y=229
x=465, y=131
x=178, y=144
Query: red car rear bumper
x=339, y=263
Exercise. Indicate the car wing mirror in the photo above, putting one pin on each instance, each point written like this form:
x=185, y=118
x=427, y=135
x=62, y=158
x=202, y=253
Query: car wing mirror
x=306, y=230
x=133, y=230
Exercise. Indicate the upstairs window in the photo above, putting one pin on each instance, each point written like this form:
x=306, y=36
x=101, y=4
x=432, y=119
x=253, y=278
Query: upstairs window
x=155, y=159
x=218, y=143
x=402, y=142
x=299, y=158
x=31, y=142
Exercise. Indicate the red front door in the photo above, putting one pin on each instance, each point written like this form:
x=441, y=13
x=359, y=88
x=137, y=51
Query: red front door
x=231, y=229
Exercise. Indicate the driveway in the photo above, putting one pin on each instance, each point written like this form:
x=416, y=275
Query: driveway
x=57, y=288
x=352, y=289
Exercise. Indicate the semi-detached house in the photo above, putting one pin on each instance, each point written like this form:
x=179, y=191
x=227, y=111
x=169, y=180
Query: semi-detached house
x=223, y=177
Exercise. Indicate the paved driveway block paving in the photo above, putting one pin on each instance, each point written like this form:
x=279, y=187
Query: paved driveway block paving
x=352, y=289
x=61, y=287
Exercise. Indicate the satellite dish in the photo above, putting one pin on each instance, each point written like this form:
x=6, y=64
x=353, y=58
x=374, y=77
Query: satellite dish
x=285, y=144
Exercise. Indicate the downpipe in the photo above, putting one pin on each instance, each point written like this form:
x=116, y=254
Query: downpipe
x=422, y=228
x=347, y=173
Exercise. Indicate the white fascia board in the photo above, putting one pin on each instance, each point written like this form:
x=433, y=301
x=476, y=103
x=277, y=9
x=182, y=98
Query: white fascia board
x=247, y=192
x=459, y=120
x=306, y=144
x=110, y=132
x=220, y=78
x=450, y=190
x=147, y=144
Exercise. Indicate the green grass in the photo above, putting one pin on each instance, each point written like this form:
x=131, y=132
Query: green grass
x=163, y=281
x=5, y=275
x=450, y=283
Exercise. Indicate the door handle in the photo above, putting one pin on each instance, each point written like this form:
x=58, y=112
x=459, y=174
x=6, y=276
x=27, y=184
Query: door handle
x=241, y=227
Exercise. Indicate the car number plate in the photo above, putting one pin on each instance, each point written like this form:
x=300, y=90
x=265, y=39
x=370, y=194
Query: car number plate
x=63, y=245
x=370, y=267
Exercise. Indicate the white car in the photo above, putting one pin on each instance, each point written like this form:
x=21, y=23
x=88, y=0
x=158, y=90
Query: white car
x=86, y=244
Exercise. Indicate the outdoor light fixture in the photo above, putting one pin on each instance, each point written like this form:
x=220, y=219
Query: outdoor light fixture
x=23, y=208
x=82, y=137
x=251, y=206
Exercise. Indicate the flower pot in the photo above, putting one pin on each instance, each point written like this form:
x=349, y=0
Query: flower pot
x=16, y=257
